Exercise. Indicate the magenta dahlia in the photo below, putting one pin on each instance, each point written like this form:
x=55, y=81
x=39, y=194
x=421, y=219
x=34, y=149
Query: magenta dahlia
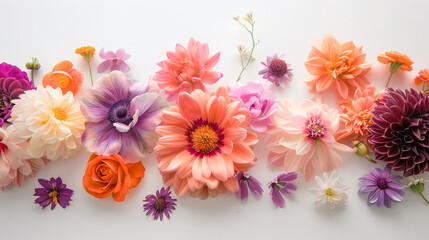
x=399, y=132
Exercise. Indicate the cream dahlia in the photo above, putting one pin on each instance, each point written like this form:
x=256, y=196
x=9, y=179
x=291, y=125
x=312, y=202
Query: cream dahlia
x=341, y=66
x=302, y=138
x=203, y=143
x=51, y=123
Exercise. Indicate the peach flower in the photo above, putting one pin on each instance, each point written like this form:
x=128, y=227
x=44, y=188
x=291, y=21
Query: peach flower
x=106, y=175
x=422, y=77
x=203, y=143
x=396, y=57
x=64, y=76
x=356, y=116
x=342, y=66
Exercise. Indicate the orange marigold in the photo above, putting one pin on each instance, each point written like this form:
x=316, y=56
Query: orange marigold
x=422, y=77
x=398, y=58
x=85, y=49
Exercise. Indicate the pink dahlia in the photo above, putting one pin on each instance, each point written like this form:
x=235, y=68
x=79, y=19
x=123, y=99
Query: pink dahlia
x=302, y=138
x=341, y=66
x=203, y=142
x=187, y=69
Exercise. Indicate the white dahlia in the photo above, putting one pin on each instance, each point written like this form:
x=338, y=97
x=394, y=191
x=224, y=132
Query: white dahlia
x=330, y=190
x=51, y=123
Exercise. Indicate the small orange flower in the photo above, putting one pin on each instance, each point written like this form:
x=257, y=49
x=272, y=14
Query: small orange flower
x=109, y=175
x=86, y=49
x=423, y=76
x=64, y=76
x=396, y=57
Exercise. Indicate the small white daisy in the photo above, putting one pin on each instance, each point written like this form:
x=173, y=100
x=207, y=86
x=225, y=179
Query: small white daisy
x=330, y=191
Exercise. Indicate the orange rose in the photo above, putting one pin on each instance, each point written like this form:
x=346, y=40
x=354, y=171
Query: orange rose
x=64, y=76
x=105, y=175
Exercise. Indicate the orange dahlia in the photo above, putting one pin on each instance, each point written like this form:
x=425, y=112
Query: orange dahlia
x=342, y=66
x=203, y=142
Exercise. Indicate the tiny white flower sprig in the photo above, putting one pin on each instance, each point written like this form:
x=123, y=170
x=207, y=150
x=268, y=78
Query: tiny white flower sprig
x=418, y=186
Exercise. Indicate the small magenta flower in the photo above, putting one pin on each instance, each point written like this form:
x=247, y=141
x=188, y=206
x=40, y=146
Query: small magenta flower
x=114, y=61
x=160, y=204
x=383, y=187
x=281, y=185
x=246, y=180
x=53, y=192
x=276, y=71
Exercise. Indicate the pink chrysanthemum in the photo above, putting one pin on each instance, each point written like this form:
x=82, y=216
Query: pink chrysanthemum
x=277, y=70
x=302, y=138
x=187, y=69
x=203, y=143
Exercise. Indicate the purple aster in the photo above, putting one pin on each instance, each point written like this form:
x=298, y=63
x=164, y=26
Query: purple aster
x=259, y=99
x=280, y=185
x=114, y=61
x=276, y=71
x=399, y=131
x=382, y=187
x=53, y=192
x=13, y=82
x=246, y=180
x=121, y=117
x=160, y=204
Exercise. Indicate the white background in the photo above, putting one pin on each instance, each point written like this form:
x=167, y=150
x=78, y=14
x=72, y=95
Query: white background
x=51, y=30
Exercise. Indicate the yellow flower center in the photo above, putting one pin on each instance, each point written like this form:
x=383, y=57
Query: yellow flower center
x=54, y=195
x=63, y=81
x=329, y=192
x=204, y=139
x=59, y=113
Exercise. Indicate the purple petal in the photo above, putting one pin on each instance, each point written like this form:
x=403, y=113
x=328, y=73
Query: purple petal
x=289, y=186
x=111, y=88
x=243, y=193
x=380, y=200
x=109, y=55
x=287, y=177
x=45, y=183
x=120, y=66
x=132, y=151
x=255, y=186
x=122, y=55
x=277, y=197
x=104, y=66
x=394, y=195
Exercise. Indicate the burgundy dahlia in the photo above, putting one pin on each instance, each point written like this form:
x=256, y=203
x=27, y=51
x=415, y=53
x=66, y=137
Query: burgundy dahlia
x=399, y=132
x=13, y=82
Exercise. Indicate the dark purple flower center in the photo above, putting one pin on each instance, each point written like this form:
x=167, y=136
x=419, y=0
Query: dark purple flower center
x=120, y=112
x=382, y=184
x=278, y=67
x=160, y=204
x=204, y=138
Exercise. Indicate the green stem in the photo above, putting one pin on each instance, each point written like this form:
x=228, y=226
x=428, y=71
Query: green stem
x=421, y=194
x=251, y=52
x=32, y=76
x=370, y=159
x=424, y=85
x=388, y=80
x=90, y=73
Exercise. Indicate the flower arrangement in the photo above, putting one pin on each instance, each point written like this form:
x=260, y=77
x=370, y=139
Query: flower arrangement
x=203, y=141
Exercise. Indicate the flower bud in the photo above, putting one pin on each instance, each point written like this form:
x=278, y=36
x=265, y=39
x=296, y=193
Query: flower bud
x=362, y=149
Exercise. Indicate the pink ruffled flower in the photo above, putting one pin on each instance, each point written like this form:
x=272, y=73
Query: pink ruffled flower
x=15, y=163
x=258, y=98
x=302, y=138
x=114, y=61
x=187, y=69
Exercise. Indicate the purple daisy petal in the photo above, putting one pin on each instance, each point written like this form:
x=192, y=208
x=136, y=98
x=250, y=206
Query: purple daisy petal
x=281, y=185
x=159, y=204
x=277, y=197
x=54, y=192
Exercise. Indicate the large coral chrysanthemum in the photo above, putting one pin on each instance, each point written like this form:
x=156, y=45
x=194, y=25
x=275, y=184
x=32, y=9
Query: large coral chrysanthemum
x=399, y=134
x=339, y=65
x=302, y=138
x=203, y=142
x=50, y=121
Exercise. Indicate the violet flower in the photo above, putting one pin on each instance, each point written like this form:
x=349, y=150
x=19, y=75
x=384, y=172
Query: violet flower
x=114, y=61
x=160, y=204
x=13, y=82
x=246, y=180
x=53, y=192
x=121, y=117
x=276, y=71
x=281, y=185
x=259, y=99
x=383, y=187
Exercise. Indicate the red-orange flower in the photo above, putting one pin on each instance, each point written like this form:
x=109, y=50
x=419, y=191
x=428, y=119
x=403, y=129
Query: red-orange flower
x=86, y=49
x=64, y=76
x=109, y=175
x=422, y=77
x=342, y=66
x=398, y=58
